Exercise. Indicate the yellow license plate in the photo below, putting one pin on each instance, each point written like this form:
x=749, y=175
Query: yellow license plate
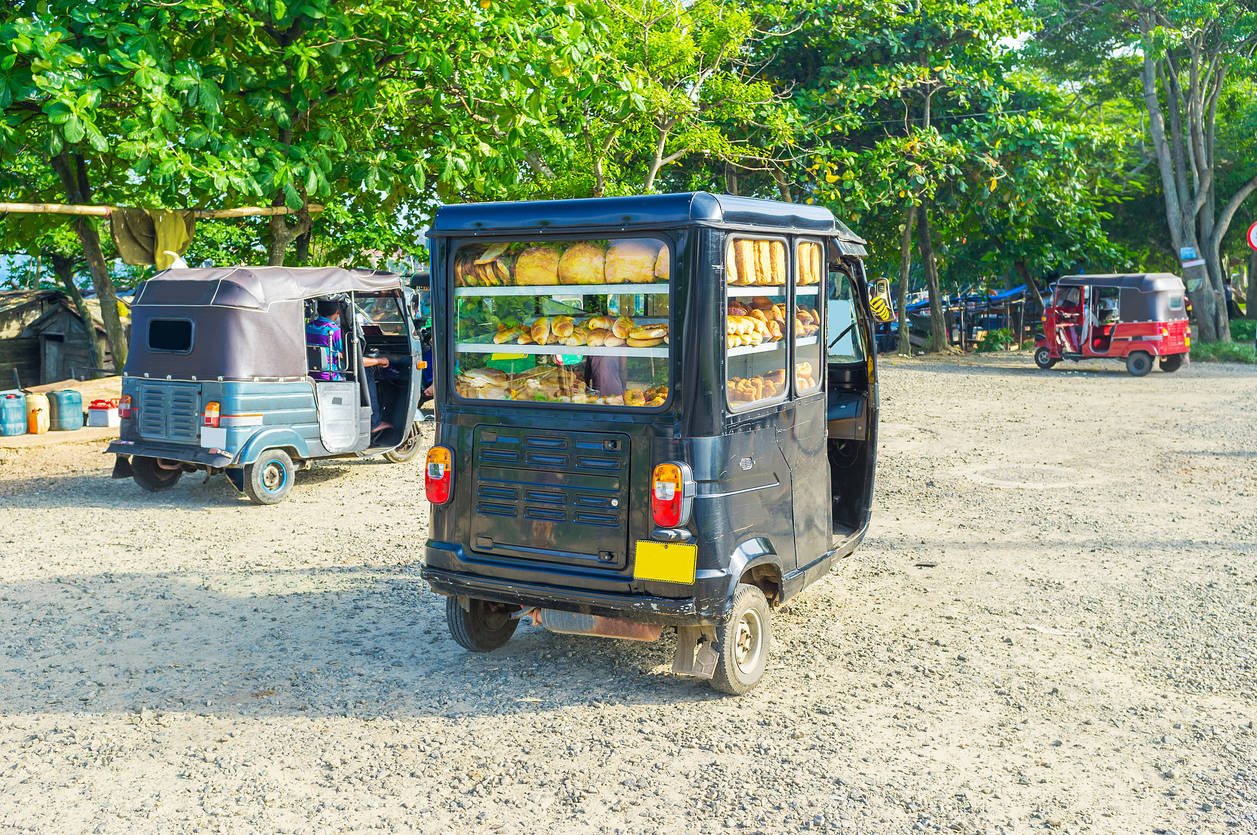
x=670, y=562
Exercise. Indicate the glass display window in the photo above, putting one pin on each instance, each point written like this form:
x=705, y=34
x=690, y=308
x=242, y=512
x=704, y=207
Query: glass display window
x=806, y=323
x=756, y=321
x=564, y=322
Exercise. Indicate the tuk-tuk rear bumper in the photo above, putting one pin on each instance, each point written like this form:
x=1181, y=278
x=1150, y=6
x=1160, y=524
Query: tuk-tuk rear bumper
x=637, y=607
x=171, y=452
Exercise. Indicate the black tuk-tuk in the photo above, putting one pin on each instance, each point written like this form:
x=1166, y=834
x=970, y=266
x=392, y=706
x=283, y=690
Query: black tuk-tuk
x=221, y=375
x=652, y=411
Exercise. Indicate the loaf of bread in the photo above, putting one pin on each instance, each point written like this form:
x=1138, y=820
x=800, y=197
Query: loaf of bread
x=582, y=263
x=631, y=262
x=537, y=265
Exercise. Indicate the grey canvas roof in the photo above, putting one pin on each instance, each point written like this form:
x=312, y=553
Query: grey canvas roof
x=1143, y=282
x=652, y=210
x=256, y=288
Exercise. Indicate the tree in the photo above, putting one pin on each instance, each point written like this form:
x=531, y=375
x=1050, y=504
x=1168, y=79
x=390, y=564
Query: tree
x=1187, y=54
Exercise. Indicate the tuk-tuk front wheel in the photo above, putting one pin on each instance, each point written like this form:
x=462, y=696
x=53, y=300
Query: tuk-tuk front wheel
x=742, y=642
x=1139, y=363
x=1043, y=358
x=408, y=448
x=268, y=479
x=482, y=626
x=152, y=476
x=1171, y=363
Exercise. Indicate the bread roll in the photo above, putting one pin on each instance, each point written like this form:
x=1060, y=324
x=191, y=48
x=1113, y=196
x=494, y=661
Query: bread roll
x=622, y=326
x=644, y=343
x=598, y=336
x=562, y=326
x=649, y=332
x=631, y=262
x=582, y=263
x=541, y=329
x=525, y=338
x=613, y=341
x=600, y=323
x=578, y=336
x=537, y=265
x=506, y=335
x=663, y=264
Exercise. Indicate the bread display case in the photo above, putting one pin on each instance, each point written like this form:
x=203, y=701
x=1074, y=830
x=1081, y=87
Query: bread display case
x=581, y=321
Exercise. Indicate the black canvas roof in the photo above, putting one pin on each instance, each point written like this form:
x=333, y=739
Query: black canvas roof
x=1144, y=282
x=653, y=210
x=256, y=288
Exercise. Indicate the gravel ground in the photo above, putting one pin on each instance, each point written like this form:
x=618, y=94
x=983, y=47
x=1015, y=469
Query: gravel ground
x=1050, y=627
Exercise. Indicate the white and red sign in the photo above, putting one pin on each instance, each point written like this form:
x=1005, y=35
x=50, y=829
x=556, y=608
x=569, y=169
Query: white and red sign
x=1252, y=236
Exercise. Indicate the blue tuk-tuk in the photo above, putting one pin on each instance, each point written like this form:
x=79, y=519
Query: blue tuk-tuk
x=220, y=378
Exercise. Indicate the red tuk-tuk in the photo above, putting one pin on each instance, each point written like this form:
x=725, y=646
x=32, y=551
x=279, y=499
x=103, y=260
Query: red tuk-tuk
x=1132, y=317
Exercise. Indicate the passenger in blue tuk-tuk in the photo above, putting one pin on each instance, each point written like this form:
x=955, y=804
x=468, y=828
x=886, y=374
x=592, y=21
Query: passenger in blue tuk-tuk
x=325, y=336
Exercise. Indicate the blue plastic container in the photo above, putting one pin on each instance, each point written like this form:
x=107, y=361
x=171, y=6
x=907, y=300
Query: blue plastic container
x=67, y=410
x=13, y=414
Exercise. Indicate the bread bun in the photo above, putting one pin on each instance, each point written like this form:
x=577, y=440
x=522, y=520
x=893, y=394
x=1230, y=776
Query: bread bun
x=649, y=332
x=622, y=326
x=613, y=341
x=541, y=330
x=598, y=336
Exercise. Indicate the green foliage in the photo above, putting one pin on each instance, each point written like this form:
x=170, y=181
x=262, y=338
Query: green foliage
x=1244, y=331
x=1223, y=352
x=996, y=340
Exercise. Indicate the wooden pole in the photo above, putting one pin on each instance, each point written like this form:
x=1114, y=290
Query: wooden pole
x=105, y=211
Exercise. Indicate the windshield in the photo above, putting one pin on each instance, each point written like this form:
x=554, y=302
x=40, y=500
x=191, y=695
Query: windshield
x=583, y=322
x=846, y=343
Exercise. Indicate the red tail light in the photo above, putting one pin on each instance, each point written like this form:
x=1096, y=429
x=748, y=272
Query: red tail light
x=671, y=494
x=438, y=477
x=211, y=414
x=124, y=406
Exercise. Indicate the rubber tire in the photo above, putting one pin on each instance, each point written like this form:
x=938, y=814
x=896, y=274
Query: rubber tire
x=1171, y=363
x=1043, y=358
x=730, y=677
x=255, y=474
x=1139, y=363
x=408, y=448
x=151, y=477
x=483, y=627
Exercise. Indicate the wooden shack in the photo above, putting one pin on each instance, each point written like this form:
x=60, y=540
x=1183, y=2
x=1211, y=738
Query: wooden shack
x=43, y=339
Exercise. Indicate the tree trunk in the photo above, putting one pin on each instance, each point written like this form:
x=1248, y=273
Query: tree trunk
x=64, y=268
x=905, y=272
x=284, y=233
x=72, y=171
x=938, y=328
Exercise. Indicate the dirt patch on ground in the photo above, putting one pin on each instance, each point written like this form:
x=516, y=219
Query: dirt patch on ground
x=1080, y=657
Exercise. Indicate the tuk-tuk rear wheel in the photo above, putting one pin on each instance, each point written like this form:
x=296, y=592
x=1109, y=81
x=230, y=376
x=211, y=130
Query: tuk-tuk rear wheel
x=742, y=642
x=268, y=480
x=1171, y=363
x=1043, y=358
x=482, y=626
x=1139, y=363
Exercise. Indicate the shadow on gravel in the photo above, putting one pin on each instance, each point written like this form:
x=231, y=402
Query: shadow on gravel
x=98, y=489
x=359, y=641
